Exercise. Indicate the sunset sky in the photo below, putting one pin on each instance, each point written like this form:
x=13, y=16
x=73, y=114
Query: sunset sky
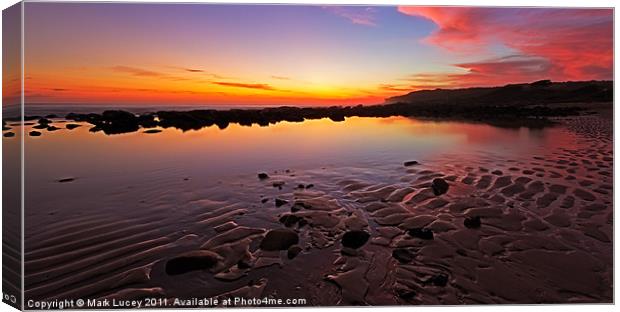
x=299, y=55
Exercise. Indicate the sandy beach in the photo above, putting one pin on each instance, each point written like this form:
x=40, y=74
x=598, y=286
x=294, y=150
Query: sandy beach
x=452, y=227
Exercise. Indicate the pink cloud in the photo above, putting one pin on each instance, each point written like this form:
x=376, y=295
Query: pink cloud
x=558, y=44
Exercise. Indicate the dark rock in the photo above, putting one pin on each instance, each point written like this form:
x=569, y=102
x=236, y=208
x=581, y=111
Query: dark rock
x=301, y=186
x=310, y=186
x=302, y=222
x=403, y=255
x=9, y=134
x=72, y=126
x=355, y=239
x=263, y=176
x=242, y=264
x=293, y=251
x=439, y=186
x=51, y=116
x=152, y=131
x=405, y=293
x=281, y=202
x=5, y=128
x=65, y=180
x=421, y=233
x=411, y=163
x=52, y=128
x=40, y=126
x=440, y=280
x=279, y=239
x=44, y=121
x=289, y=220
x=278, y=184
x=191, y=261
x=472, y=222
x=35, y=133
x=264, y=200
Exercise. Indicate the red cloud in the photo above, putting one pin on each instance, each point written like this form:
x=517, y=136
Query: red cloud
x=559, y=44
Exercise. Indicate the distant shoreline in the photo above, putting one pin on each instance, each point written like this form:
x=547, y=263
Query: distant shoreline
x=509, y=106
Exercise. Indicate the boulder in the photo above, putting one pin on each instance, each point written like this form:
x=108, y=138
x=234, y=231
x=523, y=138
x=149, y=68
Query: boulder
x=263, y=176
x=192, y=261
x=279, y=239
x=411, y=163
x=439, y=186
x=293, y=251
x=355, y=239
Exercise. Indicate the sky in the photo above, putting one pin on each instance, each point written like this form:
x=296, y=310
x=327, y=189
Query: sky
x=299, y=55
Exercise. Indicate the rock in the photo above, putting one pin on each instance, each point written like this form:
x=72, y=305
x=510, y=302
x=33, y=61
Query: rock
x=9, y=134
x=439, y=280
x=263, y=176
x=472, y=222
x=35, y=133
x=264, y=200
x=65, y=180
x=301, y=186
x=40, y=126
x=52, y=128
x=281, y=202
x=289, y=220
x=355, y=239
x=279, y=239
x=72, y=126
x=302, y=222
x=293, y=251
x=405, y=293
x=439, y=186
x=192, y=261
x=278, y=184
x=152, y=131
x=310, y=186
x=44, y=121
x=403, y=255
x=421, y=233
x=411, y=163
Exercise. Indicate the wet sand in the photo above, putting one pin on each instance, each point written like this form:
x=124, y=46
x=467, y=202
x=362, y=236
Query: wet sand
x=544, y=235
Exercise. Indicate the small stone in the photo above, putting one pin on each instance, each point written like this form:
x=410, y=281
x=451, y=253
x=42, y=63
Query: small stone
x=439, y=280
x=411, y=163
x=289, y=220
x=421, y=233
x=355, y=239
x=71, y=126
x=35, y=133
x=264, y=200
x=152, y=131
x=281, y=202
x=9, y=134
x=52, y=128
x=278, y=184
x=263, y=176
x=405, y=293
x=472, y=222
x=310, y=186
x=65, y=180
x=439, y=186
x=403, y=255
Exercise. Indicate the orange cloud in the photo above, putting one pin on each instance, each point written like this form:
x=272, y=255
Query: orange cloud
x=260, y=86
x=559, y=44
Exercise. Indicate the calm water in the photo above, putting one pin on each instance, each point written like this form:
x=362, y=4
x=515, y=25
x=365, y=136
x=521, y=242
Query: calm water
x=102, y=162
x=240, y=150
